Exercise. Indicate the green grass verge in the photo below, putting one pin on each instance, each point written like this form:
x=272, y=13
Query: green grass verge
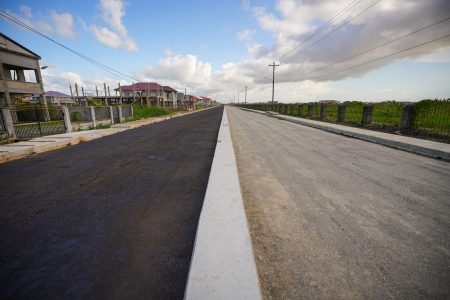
x=143, y=112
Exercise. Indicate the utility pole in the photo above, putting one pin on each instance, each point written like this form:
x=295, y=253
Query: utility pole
x=238, y=97
x=245, y=98
x=106, y=95
x=273, y=65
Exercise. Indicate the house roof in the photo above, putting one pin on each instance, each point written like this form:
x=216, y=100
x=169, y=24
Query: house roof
x=143, y=86
x=30, y=53
x=55, y=94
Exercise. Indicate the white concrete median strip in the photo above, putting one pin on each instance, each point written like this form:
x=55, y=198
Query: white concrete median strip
x=223, y=265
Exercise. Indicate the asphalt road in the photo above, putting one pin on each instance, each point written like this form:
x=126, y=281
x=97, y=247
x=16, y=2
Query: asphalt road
x=338, y=218
x=114, y=218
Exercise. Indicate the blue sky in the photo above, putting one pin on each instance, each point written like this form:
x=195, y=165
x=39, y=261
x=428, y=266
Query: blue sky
x=215, y=48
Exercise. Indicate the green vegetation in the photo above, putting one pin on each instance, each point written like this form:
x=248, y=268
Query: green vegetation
x=332, y=110
x=353, y=112
x=101, y=126
x=432, y=115
x=142, y=112
x=387, y=113
x=96, y=102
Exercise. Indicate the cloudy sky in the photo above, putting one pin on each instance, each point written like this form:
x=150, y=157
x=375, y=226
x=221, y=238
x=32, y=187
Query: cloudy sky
x=372, y=50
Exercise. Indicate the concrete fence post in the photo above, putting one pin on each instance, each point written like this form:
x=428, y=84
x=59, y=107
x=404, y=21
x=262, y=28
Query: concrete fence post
x=8, y=122
x=367, y=115
x=92, y=110
x=67, y=122
x=111, y=114
x=323, y=111
x=341, y=113
x=310, y=110
x=119, y=108
x=406, y=123
x=132, y=111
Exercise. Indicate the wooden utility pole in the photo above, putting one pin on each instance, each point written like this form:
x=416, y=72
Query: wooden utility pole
x=134, y=93
x=245, y=98
x=76, y=91
x=120, y=94
x=106, y=95
x=71, y=92
x=148, y=91
x=273, y=65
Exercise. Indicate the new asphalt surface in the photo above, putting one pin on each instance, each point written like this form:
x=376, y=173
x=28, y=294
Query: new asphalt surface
x=114, y=218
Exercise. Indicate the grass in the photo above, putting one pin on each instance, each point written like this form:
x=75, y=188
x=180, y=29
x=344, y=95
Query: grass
x=353, y=112
x=332, y=111
x=432, y=115
x=143, y=112
x=387, y=113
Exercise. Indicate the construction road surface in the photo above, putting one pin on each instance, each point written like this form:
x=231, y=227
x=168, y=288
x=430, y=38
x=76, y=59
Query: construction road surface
x=114, y=218
x=339, y=218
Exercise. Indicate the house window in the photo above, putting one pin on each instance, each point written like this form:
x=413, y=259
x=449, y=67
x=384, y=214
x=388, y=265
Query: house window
x=14, y=75
x=30, y=76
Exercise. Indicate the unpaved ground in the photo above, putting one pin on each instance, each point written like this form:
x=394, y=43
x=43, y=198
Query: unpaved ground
x=338, y=218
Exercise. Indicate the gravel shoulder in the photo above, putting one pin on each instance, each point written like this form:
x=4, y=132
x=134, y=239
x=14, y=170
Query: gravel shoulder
x=335, y=217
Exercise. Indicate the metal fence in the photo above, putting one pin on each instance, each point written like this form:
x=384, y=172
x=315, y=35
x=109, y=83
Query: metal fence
x=127, y=112
x=431, y=117
x=387, y=114
x=37, y=120
x=102, y=113
x=2, y=125
x=80, y=114
x=353, y=113
x=116, y=116
x=428, y=118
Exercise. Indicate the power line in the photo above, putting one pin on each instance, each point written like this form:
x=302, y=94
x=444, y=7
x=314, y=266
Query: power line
x=339, y=27
x=347, y=8
x=93, y=61
x=379, y=46
x=383, y=57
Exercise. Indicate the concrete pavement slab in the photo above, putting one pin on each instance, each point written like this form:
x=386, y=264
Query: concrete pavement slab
x=409, y=144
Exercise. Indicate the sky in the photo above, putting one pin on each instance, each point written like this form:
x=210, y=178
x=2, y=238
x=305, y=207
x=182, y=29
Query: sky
x=216, y=48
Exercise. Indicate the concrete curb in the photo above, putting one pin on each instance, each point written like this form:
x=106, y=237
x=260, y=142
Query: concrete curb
x=53, y=142
x=409, y=144
x=223, y=265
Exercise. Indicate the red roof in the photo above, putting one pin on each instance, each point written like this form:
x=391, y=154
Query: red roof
x=143, y=86
x=55, y=94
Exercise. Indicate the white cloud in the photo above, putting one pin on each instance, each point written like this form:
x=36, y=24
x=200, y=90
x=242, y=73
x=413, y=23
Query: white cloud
x=59, y=80
x=54, y=23
x=246, y=34
x=179, y=70
x=116, y=34
x=63, y=24
x=297, y=20
x=246, y=5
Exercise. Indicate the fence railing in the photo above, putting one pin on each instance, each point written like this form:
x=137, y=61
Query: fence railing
x=26, y=122
x=33, y=121
x=427, y=118
x=127, y=112
x=80, y=114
